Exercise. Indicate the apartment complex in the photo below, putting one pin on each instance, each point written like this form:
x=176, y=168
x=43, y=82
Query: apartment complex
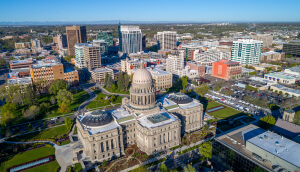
x=75, y=34
x=79, y=57
x=271, y=56
x=292, y=48
x=246, y=51
x=36, y=45
x=130, y=39
x=197, y=67
x=21, y=63
x=209, y=57
x=189, y=49
x=266, y=38
x=22, y=45
x=92, y=57
x=226, y=69
x=98, y=74
x=166, y=39
x=175, y=62
x=50, y=70
x=61, y=41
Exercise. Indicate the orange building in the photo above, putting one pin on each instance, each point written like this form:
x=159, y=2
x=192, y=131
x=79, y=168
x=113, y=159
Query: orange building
x=226, y=69
x=51, y=70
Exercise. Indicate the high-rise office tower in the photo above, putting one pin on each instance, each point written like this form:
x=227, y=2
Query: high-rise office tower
x=62, y=41
x=246, y=51
x=166, y=39
x=92, y=57
x=130, y=39
x=75, y=34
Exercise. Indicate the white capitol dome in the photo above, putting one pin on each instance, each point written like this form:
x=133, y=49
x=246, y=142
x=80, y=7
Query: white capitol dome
x=142, y=76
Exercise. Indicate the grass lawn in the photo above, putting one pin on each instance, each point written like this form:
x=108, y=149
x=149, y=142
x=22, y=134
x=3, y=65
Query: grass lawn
x=225, y=113
x=50, y=133
x=116, y=91
x=50, y=167
x=30, y=156
x=77, y=167
x=95, y=103
x=79, y=98
x=212, y=104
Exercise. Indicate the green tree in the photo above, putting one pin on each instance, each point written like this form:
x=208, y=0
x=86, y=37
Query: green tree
x=189, y=169
x=106, y=78
x=32, y=112
x=206, y=150
x=297, y=118
x=163, y=168
x=113, y=87
x=44, y=124
x=266, y=122
x=29, y=126
x=110, y=82
x=68, y=122
x=2, y=62
x=52, y=100
x=68, y=58
x=121, y=82
x=201, y=90
x=63, y=108
x=64, y=96
x=280, y=92
x=57, y=85
x=126, y=81
x=184, y=82
x=45, y=107
x=113, y=98
x=6, y=117
x=104, y=163
x=30, y=95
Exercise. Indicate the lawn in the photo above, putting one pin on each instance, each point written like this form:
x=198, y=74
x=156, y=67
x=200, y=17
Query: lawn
x=212, y=104
x=95, y=103
x=116, y=91
x=79, y=98
x=225, y=113
x=50, y=133
x=30, y=156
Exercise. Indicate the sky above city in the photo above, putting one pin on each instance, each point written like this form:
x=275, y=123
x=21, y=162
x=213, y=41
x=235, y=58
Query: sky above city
x=150, y=10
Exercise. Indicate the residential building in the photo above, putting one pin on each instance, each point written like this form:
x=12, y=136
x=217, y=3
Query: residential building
x=102, y=44
x=189, y=49
x=130, y=39
x=141, y=120
x=266, y=38
x=197, y=67
x=62, y=42
x=75, y=34
x=36, y=45
x=223, y=48
x=292, y=48
x=92, y=57
x=226, y=42
x=166, y=39
x=79, y=56
x=22, y=45
x=226, y=69
x=285, y=90
x=50, y=70
x=21, y=63
x=139, y=55
x=209, y=57
x=127, y=65
x=175, y=62
x=271, y=56
x=246, y=51
x=98, y=74
x=250, y=147
x=106, y=36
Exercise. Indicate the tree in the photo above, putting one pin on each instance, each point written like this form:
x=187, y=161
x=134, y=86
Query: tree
x=184, y=82
x=206, y=150
x=163, y=168
x=58, y=85
x=106, y=78
x=280, y=92
x=68, y=122
x=297, y=118
x=45, y=107
x=121, y=82
x=113, y=87
x=110, y=82
x=40, y=85
x=29, y=126
x=44, y=124
x=2, y=62
x=6, y=117
x=52, y=100
x=63, y=108
x=32, y=112
x=104, y=163
x=202, y=90
x=189, y=169
x=266, y=122
x=30, y=95
x=113, y=98
x=126, y=81
x=68, y=58
x=64, y=96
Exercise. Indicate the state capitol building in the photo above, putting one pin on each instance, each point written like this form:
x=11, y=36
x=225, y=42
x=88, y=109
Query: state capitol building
x=153, y=125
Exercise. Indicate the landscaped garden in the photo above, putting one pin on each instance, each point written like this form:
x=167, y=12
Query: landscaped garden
x=226, y=112
x=31, y=155
x=104, y=100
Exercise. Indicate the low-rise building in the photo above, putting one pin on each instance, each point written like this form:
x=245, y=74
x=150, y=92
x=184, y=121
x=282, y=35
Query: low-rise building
x=21, y=63
x=98, y=74
x=22, y=82
x=286, y=128
x=293, y=70
x=226, y=69
x=196, y=66
x=250, y=147
x=282, y=77
x=285, y=90
x=22, y=45
x=292, y=48
x=127, y=65
x=139, y=55
x=208, y=58
x=271, y=56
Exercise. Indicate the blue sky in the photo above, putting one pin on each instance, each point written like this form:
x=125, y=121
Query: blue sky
x=150, y=10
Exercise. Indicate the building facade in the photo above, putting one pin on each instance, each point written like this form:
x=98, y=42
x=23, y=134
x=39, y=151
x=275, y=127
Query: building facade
x=127, y=65
x=75, y=34
x=22, y=45
x=79, y=56
x=21, y=63
x=246, y=51
x=175, y=62
x=107, y=36
x=130, y=39
x=226, y=69
x=208, y=58
x=166, y=39
x=271, y=56
x=266, y=38
x=98, y=74
x=196, y=66
x=292, y=48
x=92, y=57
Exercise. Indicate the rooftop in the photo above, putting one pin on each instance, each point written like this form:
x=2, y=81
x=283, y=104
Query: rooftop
x=281, y=87
x=25, y=80
x=45, y=63
x=99, y=70
x=157, y=119
x=268, y=53
x=286, y=128
x=280, y=75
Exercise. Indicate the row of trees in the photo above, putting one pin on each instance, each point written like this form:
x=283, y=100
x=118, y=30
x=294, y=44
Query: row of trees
x=123, y=82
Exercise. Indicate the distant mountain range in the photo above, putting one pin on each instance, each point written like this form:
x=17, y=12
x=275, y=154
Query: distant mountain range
x=92, y=22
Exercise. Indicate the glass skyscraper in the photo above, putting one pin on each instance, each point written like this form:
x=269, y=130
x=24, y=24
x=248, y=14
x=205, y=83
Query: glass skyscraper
x=130, y=39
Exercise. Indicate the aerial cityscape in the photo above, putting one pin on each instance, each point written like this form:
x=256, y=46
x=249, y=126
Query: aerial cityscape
x=154, y=86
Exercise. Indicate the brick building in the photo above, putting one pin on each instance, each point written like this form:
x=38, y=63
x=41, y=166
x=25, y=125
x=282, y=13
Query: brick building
x=196, y=66
x=226, y=69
